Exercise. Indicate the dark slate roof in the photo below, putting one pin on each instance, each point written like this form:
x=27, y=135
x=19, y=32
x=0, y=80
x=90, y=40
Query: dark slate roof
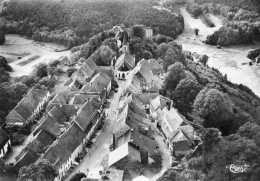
x=55, y=121
x=24, y=109
x=3, y=137
x=26, y=158
x=87, y=113
x=33, y=150
x=61, y=149
x=127, y=60
x=41, y=141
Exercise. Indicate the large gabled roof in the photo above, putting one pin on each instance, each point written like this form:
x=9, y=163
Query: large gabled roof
x=62, y=148
x=120, y=153
x=87, y=113
x=99, y=82
x=185, y=133
x=24, y=109
x=170, y=120
x=55, y=121
x=87, y=69
x=159, y=102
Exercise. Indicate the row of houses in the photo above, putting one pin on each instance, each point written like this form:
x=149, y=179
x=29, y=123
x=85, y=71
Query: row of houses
x=27, y=111
x=28, y=108
x=179, y=135
x=88, y=90
x=67, y=122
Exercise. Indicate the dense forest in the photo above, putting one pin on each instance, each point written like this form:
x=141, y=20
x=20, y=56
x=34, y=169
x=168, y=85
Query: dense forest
x=241, y=20
x=74, y=22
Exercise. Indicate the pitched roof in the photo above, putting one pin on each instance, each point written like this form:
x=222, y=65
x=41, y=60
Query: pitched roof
x=24, y=109
x=127, y=60
x=120, y=153
x=87, y=113
x=55, y=121
x=185, y=133
x=79, y=99
x=159, y=102
x=171, y=120
x=99, y=82
x=87, y=69
x=61, y=149
x=25, y=158
x=51, y=126
x=144, y=98
x=59, y=99
x=3, y=137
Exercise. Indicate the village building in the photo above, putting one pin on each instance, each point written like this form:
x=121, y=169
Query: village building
x=34, y=149
x=61, y=98
x=88, y=114
x=28, y=108
x=149, y=75
x=56, y=120
x=86, y=71
x=184, y=140
x=63, y=152
x=5, y=143
x=75, y=85
x=98, y=84
x=80, y=98
x=158, y=103
x=124, y=64
x=148, y=32
x=123, y=156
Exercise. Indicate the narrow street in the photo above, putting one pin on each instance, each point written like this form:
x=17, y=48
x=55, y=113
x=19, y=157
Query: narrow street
x=100, y=147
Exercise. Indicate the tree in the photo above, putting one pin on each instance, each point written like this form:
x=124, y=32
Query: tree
x=216, y=108
x=103, y=56
x=4, y=76
x=185, y=93
x=170, y=53
x=138, y=31
x=250, y=130
x=4, y=64
x=43, y=171
x=41, y=70
x=48, y=82
x=175, y=73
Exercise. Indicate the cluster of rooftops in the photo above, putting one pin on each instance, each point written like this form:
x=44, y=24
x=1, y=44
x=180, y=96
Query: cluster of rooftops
x=64, y=122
